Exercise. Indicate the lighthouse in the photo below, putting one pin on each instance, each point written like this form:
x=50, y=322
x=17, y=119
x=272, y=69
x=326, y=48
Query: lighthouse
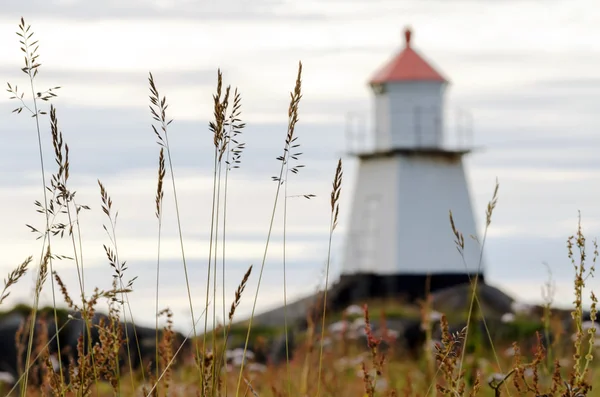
x=410, y=174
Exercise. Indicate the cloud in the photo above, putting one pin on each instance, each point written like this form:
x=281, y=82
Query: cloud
x=196, y=77
x=244, y=10
x=544, y=101
x=231, y=10
x=228, y=10
x=536, y=203
x=103, y=141
x=531, y=292
x=265, y=98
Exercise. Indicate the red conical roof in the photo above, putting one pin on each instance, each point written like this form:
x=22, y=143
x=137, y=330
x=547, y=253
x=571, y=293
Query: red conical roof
x=407, y=66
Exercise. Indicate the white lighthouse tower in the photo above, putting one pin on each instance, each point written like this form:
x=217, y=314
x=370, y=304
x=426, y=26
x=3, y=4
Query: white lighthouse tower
x=409, y=177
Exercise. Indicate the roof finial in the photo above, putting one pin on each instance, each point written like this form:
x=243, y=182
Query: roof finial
x=407, y=34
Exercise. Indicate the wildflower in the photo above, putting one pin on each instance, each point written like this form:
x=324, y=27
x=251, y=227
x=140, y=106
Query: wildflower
x=508, y=318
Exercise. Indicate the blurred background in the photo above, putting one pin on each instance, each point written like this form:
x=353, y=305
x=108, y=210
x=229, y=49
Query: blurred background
x=525, y=71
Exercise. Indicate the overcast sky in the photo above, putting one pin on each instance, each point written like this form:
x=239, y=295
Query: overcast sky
x=526, y=71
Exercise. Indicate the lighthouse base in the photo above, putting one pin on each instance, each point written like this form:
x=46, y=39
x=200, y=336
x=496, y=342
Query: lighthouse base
x=358, y=287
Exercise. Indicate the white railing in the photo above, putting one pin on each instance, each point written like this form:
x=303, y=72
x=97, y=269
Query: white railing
x=456, y=132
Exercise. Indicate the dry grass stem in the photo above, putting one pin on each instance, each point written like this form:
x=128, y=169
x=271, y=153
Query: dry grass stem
x=13, y=278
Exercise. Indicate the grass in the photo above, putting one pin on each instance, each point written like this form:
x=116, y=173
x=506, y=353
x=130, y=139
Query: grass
x=465, y=362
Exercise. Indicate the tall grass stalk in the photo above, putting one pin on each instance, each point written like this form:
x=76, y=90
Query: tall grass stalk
x=158, y=212
x=582, y=361
x=158, y=108
x=171, y=361
x=296, y=95
x=216, y=223
x=119, y=270
x=14, y=276
x=216, y=128
x=294, y=170
x=223, y=143
x=548, y=292
x=460, y=245
x=38, y=356
x=335, y=210
x=474, y=297
x=31, y=68
x=64, y=198
x=285, y=308
x=216, y=252
x=234, y=305
x=234, y=149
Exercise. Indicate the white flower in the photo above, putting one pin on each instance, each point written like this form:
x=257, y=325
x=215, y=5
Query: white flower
x=256, y=367
x=354, y=310
x=338, y=327
x=239, y=353
x=6, y=377
x=237, y=361
x=508, y=318
x=359, y=323
x=510, y=352
x=496, y=377
x=435, y=316
x=392, y=334
x=521, y=307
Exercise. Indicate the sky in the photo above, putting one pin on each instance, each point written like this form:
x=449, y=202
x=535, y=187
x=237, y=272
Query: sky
x=525, y=71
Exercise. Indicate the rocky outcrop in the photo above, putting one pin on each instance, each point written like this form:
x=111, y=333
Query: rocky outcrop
x=457, y=299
